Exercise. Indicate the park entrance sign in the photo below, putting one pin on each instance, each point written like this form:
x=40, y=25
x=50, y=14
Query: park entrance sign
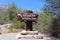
x=29, y=17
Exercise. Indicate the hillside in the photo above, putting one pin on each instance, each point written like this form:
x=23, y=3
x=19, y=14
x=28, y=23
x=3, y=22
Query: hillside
x=2, y=8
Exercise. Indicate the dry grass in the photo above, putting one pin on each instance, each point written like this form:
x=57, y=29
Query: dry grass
x=9, y=31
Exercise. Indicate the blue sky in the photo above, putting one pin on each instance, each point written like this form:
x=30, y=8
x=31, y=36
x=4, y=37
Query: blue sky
x=34, y=5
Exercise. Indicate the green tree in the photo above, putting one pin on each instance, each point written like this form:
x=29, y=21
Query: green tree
x=54, y=28
x=44, y=20
x=10, y=16
x=12, y=11
x=55, y=23
x=54, y=5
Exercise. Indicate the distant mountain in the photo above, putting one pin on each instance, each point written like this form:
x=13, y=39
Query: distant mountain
x=2, y=8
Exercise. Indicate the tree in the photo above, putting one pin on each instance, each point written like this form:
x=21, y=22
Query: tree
x=54, y=5
x=10, y=16
x=12, y=11
x=54, y=28
x=44, y=20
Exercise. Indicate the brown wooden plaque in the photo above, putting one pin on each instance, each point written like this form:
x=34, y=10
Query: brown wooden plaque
x=28, y=17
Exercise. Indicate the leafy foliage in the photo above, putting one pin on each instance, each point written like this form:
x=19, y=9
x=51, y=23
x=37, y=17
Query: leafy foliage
x=10, y=16
x=54, y=5
x=54, y=28
x=44, y=20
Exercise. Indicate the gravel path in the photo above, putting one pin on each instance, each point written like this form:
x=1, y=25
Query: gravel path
x=12, y=36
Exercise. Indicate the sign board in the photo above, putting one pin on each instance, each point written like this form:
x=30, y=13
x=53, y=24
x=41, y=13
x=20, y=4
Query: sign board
x=28, y=17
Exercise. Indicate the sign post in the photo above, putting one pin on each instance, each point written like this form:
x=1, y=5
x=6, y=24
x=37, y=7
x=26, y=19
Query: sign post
x=29, y=17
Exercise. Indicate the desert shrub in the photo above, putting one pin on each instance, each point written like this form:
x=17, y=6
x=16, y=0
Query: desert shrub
x=54, y=28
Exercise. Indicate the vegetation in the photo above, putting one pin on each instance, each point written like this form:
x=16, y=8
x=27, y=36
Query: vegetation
x=10, y=16
x=44, y=20
x=47, y=21
x=54, y=28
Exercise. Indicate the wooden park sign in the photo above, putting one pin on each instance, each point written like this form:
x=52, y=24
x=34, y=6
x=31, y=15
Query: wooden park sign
x=29, y=17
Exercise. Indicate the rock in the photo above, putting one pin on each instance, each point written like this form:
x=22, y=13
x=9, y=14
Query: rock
x=32, y=32
x=39, y=36
x=23, y=32
x=49, y=38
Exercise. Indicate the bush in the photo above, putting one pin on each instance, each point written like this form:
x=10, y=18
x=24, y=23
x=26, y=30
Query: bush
x=54, y=28
x=2, y=22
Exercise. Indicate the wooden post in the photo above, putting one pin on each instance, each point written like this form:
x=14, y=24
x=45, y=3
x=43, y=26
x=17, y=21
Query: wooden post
x=29, y=25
